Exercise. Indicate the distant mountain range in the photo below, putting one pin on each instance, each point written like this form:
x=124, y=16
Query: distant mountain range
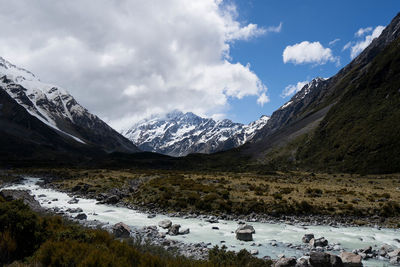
x=179, y=134
x=34, y=113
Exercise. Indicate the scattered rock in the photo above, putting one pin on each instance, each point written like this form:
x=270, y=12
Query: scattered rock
x=367, y=250
x=395, y=260
x=81, y=216
x=184, y=232
x=73, y=201
x=302, y=262
x=254, y=252
x=42, y=195
x=350, y=259
x=322, y=259
x=174, y=229
x=319, y=242
x=76, y=210
x=394, y=253
x=121, y=230
x=150, y=216
x=215, y=228
x=285, y=262
x=111, y=200
x=307, y=238
x=165, y=224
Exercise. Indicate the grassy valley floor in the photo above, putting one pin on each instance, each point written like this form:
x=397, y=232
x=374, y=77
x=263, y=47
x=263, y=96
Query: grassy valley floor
x=354, y=199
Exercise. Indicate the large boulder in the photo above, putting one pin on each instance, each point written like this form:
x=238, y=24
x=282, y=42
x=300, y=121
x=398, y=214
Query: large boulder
x=394, y=253
x=244, y=235
x=350, y=259
x=24, y=195
x=165, y=224
x=395, y=260
x=318, y=242
x=174, y=229
x=81, y=216
x=112, y=200
x=246, y=227
x=285, y=262
x=322, y=259
x=121, y=230
x=303, y=262
x=307, y=238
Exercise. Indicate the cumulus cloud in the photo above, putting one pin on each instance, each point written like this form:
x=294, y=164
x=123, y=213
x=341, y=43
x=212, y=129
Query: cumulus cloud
x=125, y=60
x=306, y=52
x=362, y=31
x=291, y=89
x=359, y=46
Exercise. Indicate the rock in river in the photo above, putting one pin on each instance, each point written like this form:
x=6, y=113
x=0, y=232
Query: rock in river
x=319, y=242
x=307, y=238
x=322, y=259
x=285, y=262
x=244, y=235
x=165, y=224
x=174, y=229
x=121, y=230
x=350, y=259
x=81, y=216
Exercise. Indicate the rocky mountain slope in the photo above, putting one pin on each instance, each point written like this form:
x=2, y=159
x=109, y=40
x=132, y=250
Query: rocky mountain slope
x=348, y=122
x=179, y=134
x=57, y=110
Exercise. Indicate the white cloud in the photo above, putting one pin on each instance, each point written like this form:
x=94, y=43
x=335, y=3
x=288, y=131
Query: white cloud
x=362, y=31
x=125, y=60
x=306, y=52
x=333, y=42
x=358, y=47
x=262, y=99
x=291, y=89
x=275, y=28
x=347, y=46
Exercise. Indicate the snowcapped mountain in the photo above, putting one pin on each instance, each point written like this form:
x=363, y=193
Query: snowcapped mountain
x=179, y=134
x=57, y=109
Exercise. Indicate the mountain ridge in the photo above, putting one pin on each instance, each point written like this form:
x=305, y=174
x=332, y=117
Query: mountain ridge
x=59, y=110
x=178, y=134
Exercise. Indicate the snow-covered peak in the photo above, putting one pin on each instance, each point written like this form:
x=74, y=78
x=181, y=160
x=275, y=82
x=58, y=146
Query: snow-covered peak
x=303, y=92
x=178, y=133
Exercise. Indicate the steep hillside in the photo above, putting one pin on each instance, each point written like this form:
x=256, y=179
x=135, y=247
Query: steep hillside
x=342, y=123
x=58, y=110
x=362, y=131
x=179, y=134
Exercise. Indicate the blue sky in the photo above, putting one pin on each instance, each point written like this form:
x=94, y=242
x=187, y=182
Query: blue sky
x=302, y=20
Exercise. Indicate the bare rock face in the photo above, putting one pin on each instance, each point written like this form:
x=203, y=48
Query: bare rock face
x=350, y=259
x=121, y=230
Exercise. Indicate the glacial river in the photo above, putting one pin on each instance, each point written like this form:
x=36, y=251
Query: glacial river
x=266, y=234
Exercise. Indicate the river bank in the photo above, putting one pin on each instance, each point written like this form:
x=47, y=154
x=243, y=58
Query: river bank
x=271, y=239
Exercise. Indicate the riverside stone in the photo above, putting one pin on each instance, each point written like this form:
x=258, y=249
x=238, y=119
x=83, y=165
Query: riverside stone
x=121, y=230
x=350, y=259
